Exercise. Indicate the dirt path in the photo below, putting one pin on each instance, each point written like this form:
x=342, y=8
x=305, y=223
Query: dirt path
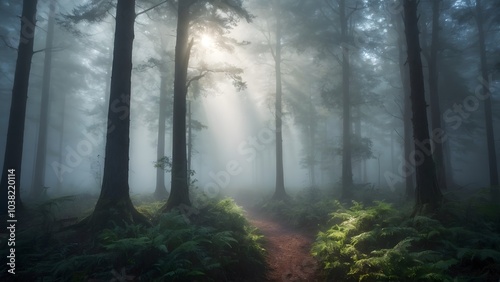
x=288, y=250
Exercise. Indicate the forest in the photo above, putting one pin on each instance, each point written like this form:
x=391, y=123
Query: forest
x=257, y=140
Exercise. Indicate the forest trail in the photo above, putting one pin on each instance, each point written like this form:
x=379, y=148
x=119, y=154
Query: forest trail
x=288, y=250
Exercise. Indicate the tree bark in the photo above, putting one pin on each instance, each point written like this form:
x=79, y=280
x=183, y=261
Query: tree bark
x=161, y=190
x=490, y=138
x=312, y=143
x=427, y=193
x=434, y=95
x=189, y=140
x=407, y=127
x=279, y=192
x=114, y=204
x=346, y=106
x=41, y=151
x=179, y=192
x=15, y=132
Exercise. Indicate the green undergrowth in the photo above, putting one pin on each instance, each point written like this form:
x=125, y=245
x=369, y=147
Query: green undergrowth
x=307, y=209
x=215, y=244
x=381, y=243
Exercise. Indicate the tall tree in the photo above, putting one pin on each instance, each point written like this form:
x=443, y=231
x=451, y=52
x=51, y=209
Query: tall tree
x=434, y=94
x=179, y=191
x=41, y=151
x=228, y=13
x=114, y=204
x=407, y=127
x=427, y=193
x=490, y=138
x=346, y=104
x=279, y=192
x=15, y=132
x=161, y=190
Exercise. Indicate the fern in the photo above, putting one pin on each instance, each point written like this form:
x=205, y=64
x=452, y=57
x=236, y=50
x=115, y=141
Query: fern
x=376, y=243
x=219, y=245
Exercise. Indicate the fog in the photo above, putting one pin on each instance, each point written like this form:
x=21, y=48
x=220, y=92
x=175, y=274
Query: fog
x=235, y=148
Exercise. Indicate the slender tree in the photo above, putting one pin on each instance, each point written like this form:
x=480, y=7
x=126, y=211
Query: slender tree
x=427, y=193
x=114, y=204
x=15, y=132
x=488, y=116
x=407, y=127
x=279, y=192
x=161, y=190
x=434, y=94
x=41, y=151
x=179, y=192
x=346, y=104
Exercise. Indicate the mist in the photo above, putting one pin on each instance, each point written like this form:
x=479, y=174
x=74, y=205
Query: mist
x=294, y=111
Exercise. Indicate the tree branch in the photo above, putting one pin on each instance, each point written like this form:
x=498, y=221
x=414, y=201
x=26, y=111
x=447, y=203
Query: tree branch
x=354, y=10
x=331, y=7
x=198, y=77
x=151, y=8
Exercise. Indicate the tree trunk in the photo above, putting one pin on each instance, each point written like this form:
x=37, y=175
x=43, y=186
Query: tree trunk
x=161, y=190
x=357, y=132
x=61, y=138
x=407, y=127
x=41, y=151
x=279, y=192
x=189, y=140
x=434, y=96
x=15, y=132
x=312, y=147
x=114, y=204
x=490, y=138
x=179, y=192
x=427, y=192
x=346, y=105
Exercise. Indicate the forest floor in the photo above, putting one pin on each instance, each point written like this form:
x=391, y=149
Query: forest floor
x=288, y=249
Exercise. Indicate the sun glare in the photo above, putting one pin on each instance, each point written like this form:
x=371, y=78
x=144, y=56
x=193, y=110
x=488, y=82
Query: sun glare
x=207, y=41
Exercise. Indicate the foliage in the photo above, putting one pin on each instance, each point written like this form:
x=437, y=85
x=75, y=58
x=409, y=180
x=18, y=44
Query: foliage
x=361, y=147
x=378, y=243
x=165, y=163
x=308, y=208
x=218, y=245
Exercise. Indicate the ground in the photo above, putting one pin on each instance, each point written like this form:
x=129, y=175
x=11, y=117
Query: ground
x=288, y=249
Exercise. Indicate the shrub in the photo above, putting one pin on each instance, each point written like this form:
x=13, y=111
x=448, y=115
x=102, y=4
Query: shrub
x=219, y=245
x=378, y=243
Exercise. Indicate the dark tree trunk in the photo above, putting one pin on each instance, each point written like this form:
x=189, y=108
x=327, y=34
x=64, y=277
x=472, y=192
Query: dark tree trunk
x=427, y=193
x=407, y=127
x=434, y=96
x=41, y=151
x=346, y=105
x=161, y=190
x=179, y=192
x=15, y=132
x=114, y=204
x=279, y=192
x=189, y=140
x=357, y=132
x=61, y=139
x=312, y=147
x=490, y=138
